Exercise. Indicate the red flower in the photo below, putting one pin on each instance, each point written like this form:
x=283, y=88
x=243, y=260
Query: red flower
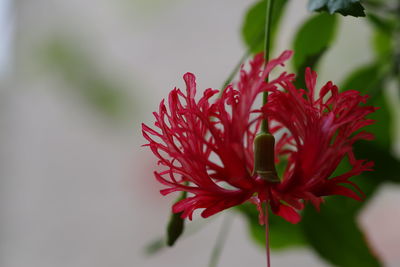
x=207, y=145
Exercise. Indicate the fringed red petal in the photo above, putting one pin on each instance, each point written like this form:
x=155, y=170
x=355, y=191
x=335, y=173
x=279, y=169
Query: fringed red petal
x=206, y=145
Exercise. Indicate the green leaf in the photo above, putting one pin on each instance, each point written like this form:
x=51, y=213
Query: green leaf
x=368, y=183
x=311, y=62
x=282, y=233
x=364, y=79
x=370, y=80
x=333, y=231
x=313, y=37
x=79, y=70
x=382, y=44
x=253, y=27
x=344, y=7
x=155, y=246
x=382, y=128
x=311, y=42
x=335, y=235
x=382, y=36
x=175, y=228
x=386, y=25
x=176, y=224
x=386, y=168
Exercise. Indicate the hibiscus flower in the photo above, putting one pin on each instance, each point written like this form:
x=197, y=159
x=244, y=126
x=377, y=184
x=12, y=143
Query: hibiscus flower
x=207, y=145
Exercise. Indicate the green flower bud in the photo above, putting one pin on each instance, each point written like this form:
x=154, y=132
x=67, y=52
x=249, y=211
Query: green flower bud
x=264, y=157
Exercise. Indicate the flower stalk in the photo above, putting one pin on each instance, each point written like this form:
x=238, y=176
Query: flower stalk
x=267, y=45
x=264, y=144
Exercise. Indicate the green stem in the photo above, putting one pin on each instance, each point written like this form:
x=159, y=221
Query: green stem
x=268, y=20
x=264, y=123
x=267, y=235
x=239, y=64
x=264, y=143
x=221, y=239
x=397, y=48
x=235, y=70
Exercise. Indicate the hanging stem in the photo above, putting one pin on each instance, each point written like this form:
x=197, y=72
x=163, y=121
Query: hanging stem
x=268, y=19
x=267, y=235
x=264, y=124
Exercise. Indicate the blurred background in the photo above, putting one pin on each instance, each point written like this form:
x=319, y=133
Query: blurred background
x=78, y=77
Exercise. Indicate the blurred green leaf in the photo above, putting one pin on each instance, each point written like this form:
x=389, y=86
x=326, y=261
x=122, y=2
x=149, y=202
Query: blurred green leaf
x=161, y=242
x=333, y=231
x=368, y=184
x=335, y=235
x=176, y=224
x=365, y=79
x=382, y=44
x=370, y=80
x=311, y=41
x=77, y=69
x=175, y=228
x=155, y=246
x=282, y=233
x=386, y=168
x=344, y=7
x=382, y=36
x=313, y=38
x=386, y=25
x=253, y=27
